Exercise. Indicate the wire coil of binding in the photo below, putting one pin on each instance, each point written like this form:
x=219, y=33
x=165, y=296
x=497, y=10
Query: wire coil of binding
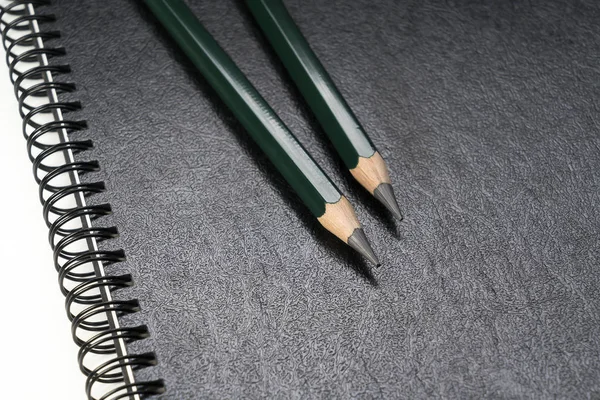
x=91, y=327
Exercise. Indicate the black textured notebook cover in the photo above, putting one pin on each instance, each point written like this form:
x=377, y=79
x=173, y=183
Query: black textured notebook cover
x=487, y=114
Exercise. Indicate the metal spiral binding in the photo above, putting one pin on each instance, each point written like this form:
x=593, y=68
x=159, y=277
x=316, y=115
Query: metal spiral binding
x=81, y=287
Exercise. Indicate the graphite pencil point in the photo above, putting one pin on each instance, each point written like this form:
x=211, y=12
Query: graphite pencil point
x=359, y=242
x=385, y=194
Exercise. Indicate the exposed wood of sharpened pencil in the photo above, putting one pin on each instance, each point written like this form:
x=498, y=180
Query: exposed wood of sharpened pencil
x=340, y=219
x=371, y=172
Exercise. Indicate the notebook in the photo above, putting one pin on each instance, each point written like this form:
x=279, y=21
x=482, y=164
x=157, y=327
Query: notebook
x=224, y=286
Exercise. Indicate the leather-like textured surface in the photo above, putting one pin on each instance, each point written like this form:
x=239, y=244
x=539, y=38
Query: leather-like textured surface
x=487, y=114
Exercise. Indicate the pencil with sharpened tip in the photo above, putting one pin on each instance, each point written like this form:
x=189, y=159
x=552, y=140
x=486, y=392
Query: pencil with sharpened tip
x=335, y=116
x=313, y=186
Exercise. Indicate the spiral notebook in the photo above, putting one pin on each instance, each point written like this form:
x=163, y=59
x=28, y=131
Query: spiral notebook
x=192, y=271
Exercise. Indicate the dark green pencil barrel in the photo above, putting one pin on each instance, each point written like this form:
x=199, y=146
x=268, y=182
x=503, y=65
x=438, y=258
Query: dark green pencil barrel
x=330, y=108
x=257, y=117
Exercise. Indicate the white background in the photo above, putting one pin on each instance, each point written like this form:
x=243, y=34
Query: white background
x=38, y=356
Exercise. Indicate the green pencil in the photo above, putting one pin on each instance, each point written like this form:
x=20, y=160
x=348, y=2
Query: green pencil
x=335, y=116
x=313, y=186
